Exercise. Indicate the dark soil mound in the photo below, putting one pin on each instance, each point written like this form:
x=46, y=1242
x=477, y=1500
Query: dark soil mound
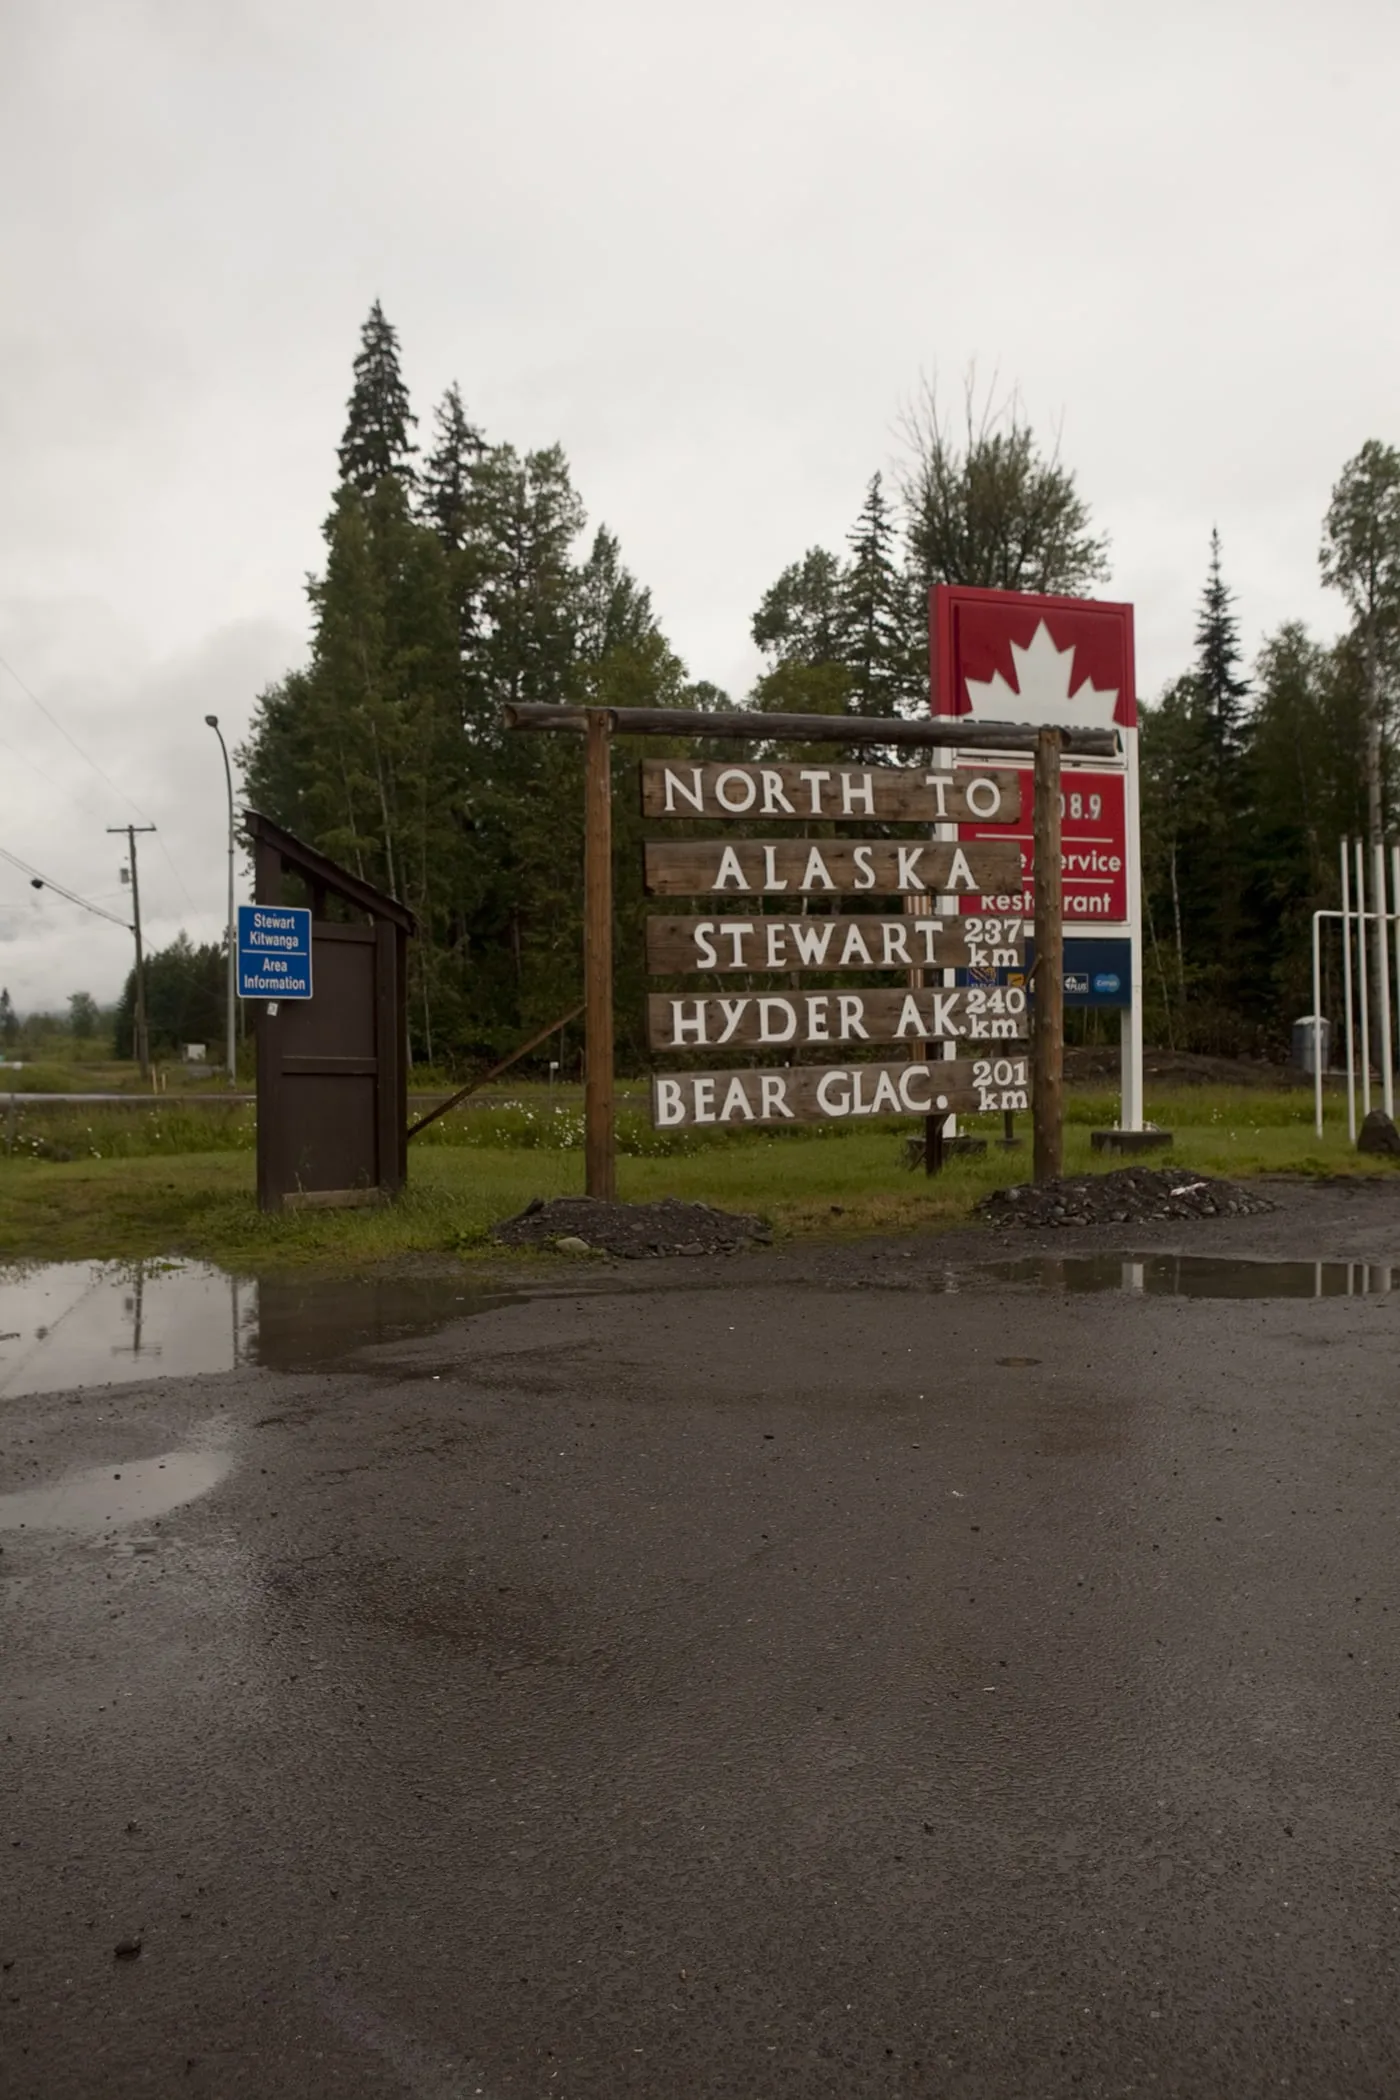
x=633, y=1230
x=1130, y=1196
x=1086, y=1063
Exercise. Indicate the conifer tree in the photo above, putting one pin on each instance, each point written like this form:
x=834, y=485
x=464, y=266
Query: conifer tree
x=9, y=1019
x=1222, y=691
x=873, y=615
x=378, y=417
x=447, y=497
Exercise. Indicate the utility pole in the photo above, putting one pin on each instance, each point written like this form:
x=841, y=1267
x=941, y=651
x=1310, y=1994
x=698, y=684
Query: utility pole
x=143, y=1044
x=232, y=996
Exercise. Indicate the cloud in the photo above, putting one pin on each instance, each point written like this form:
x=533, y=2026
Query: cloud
x=709, y=251
x=145, y=755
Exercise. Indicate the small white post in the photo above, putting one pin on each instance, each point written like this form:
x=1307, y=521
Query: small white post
x=1383, y=968
x=1362, y=979
x=1395, y=906
x=1346, y=990
x=1317, y=1021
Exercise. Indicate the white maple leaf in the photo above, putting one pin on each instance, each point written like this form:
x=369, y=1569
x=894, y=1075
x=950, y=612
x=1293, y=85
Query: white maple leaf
x=1044, y=675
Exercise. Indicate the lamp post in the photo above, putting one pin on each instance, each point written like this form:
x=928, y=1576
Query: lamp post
x=213, y=722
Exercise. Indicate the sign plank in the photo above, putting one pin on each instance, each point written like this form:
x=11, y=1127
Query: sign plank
x=866, y=941
x=834, y=1093
x=980, y=1013
x=822, y=867
x=893, y=794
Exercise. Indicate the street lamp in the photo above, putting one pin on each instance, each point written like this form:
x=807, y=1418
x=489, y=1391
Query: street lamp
x=213, y=722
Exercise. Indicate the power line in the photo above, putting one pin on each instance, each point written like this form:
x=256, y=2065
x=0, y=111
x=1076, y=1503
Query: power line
x=25, y=760
x=47, y=882
x=88, y=759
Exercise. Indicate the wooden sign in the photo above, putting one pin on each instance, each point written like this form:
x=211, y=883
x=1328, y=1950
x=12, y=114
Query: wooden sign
x=821, y=867
x=981, y=1013
x=676, y=947
x=894, y=794
x=833, y=1093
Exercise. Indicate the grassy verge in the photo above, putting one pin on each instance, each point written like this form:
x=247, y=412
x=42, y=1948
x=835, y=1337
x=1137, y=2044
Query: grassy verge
x=171, y=1199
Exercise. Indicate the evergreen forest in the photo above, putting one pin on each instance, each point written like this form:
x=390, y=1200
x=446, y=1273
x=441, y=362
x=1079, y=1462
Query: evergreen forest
x=461, y=573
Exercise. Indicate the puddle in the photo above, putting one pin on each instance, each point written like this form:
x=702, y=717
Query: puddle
x=70, y=1324
x=1199, y=1276
x=104, y=1498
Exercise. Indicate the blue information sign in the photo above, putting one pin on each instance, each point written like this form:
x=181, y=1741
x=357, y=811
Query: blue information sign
x=274, y=951
x=1098, y=972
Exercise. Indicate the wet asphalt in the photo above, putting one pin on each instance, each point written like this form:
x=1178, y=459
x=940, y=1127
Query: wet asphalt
x=783, y=1676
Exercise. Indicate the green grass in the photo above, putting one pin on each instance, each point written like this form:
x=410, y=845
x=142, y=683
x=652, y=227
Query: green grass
x=169, y=1199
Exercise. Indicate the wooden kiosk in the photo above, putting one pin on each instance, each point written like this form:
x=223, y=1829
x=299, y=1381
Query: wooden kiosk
x=332, y=1088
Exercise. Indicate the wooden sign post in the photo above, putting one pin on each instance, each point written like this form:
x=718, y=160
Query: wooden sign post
x=1048, y=1097
x=822, y=872
x=599, y=1144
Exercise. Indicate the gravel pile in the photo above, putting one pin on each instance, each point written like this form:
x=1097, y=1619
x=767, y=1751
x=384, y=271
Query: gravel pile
x=583, y=1225
x=1129, y=1196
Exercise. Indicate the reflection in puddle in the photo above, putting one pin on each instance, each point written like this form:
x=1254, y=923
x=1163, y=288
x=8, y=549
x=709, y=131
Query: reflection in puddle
x=69, y=1324
x=105, y=1497
x=1199, y=1275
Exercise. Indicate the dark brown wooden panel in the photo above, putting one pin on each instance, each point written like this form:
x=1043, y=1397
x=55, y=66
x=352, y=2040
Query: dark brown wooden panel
x=838, y=1093
x=821, y=867
x=981, y=1014
x=844, y=794
x=851, y=941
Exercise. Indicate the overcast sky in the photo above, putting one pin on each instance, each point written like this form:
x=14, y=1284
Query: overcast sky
x=710, y=249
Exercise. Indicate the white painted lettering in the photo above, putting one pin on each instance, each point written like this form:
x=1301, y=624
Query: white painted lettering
x=896, y=942
x=815, y=777
x=811, y=938
x=818, y=1013
x=772, y=1096
x=909, y=858
x=939, y=783
x=731, y=870
x=960, y=874
x=864, y=867
x=851, y=1008
x=704, y=946
x=703, y=1091
x=784, y=1010
x=776, y=930
x=856, y=949
x=983, y=797
x=688, y=1027
x=733, y=1012
x=857, y=786
x=736, y=1102
x=832, y=1098
x=815, y=873
x=886, y=1097
x=694, y=794
x=773, y=797
x=906, y=1095
x=669, y=1106
x=771, y=878
x=739, y=796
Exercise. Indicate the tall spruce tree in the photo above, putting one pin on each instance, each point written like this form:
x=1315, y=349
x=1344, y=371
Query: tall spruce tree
x=447, y=498
x=1222, y=691
x=873, y=614
x=378, y=417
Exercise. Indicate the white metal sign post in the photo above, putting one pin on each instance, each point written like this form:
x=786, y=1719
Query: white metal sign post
x=1065, y=663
